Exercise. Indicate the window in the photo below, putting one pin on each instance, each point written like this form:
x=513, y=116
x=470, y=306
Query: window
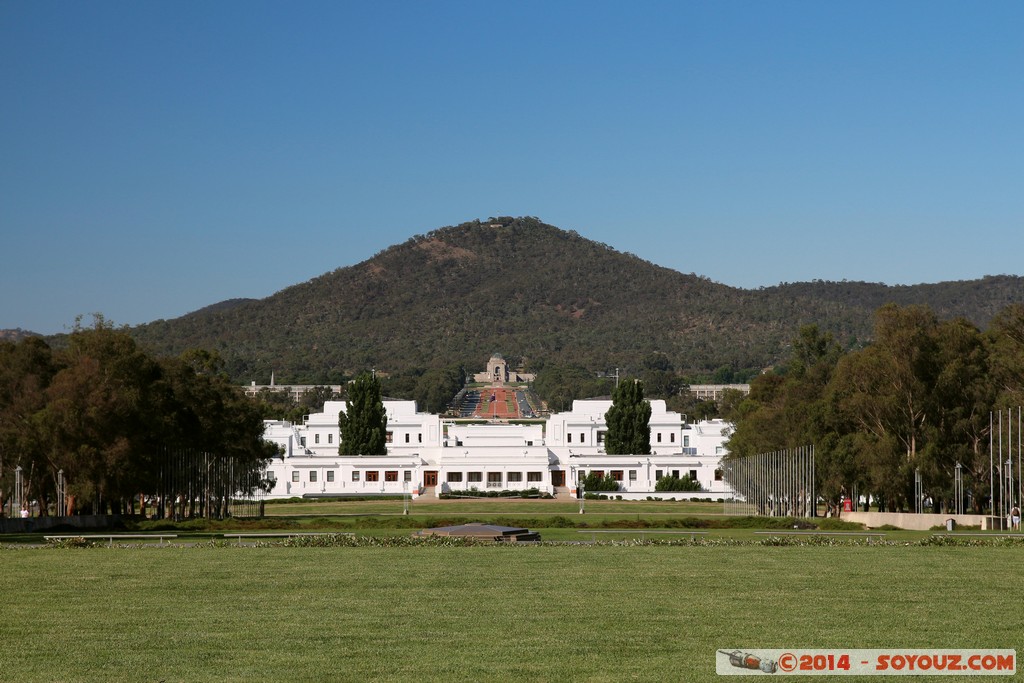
x=454, y=477
x=419, y=438
x=391, y=475
x=658, y=474
x=599, y=474
x=693, y=475
x=271, y=475
x=719, y=450
x=581, y=474
x=355, y=475
x=389, y=437
x=534, y=476
x=672, y=437
x=515, y=477
x=330, y=475
x=686, y=440
x=408, y=475
x=302, y=440
x=316, y=438
x=718, y=475
x=474, y=477
x=295, y=476
x=675, y=474
x=659, y=437
x=494, y=480
x=582, y=440
x=600, y=437
x=408, y=437
x=617, y=475
x=568, y=436
x=312, y=475
x=632, y=475
x=330, y=438
x=373, y=475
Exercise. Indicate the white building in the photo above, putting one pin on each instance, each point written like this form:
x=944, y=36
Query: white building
x=430, y=456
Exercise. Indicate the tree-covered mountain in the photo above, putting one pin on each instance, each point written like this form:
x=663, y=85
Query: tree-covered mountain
x=17, y=334
x=539, y=295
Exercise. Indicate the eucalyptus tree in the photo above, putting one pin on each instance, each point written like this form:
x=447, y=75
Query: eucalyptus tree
x=917, y=396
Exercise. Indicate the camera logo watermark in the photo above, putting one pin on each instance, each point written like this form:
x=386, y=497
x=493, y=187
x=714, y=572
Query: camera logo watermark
x=887, y=662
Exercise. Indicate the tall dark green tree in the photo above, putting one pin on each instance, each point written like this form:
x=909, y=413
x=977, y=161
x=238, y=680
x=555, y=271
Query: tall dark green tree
x=790, y=409
x=26, y=369
x=919, y=396
x=628, y=420
x=364, y=423
x=105, y=414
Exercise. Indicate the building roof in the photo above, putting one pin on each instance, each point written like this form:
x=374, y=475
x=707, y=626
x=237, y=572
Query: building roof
x=481, y=531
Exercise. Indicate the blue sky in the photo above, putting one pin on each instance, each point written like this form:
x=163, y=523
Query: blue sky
x=156, y=157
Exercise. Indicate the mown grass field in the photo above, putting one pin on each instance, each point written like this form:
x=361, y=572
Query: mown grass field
x=557, y=520
x=538, y=613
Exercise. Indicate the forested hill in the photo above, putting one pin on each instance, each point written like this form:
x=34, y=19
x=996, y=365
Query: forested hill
x=536, y=293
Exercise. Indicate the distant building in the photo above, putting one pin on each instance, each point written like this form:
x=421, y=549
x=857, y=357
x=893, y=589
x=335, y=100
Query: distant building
x=428, y=455
x=713, y=392
x=498, y=372
x=295, y=391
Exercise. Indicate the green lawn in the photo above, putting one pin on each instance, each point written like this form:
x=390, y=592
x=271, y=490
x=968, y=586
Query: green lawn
x=539, y=613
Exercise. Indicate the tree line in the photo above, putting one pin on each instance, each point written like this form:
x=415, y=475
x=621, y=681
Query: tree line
x=918, y=399
x=113, y=423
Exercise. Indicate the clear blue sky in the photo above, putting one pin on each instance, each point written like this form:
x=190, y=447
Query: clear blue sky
x=156, y=157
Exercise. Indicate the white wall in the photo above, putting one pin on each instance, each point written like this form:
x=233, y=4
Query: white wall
x=489, y=448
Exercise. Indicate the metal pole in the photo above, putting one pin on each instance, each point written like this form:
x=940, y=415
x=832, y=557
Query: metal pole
x=18, y=493
x=814, y=495
x=60, y=493
x=1002, y=513
x=991, y=471
x=958, y=490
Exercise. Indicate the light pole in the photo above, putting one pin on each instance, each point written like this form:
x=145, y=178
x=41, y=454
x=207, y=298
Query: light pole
x=405, y=497
x=918, y=492
x=1009, y=489
x=958, y=488
x=583, y=491
x=18, y=493
x=61, y=495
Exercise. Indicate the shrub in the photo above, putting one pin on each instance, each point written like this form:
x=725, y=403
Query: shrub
x=683, y=483
x=836, y=524
x=592, y=482
x=505, y=493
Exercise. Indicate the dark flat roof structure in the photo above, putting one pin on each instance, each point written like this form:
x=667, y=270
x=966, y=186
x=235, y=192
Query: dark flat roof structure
x=483, y=532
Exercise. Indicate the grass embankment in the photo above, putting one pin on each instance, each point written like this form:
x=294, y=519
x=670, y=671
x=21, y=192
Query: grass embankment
x=556, y=520
x=490, y=506
x=543, y=613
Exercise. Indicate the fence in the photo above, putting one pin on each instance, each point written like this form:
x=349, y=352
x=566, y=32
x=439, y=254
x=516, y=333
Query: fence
x=777, y=484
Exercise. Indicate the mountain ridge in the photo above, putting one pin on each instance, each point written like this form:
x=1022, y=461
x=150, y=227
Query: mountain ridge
x=541, y=295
